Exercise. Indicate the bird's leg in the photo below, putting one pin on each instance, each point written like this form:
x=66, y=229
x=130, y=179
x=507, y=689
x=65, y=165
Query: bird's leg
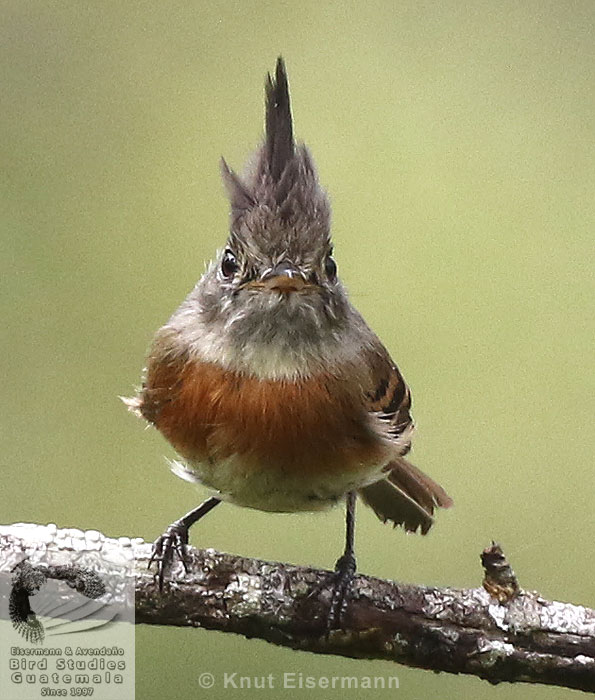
x=344, y=569
x=175, y=538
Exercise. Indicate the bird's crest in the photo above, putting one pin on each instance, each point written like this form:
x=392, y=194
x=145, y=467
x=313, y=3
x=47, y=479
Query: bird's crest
x=282, y=181
x=279, y=146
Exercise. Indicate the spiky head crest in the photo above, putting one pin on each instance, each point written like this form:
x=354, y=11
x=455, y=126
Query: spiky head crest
x=278, y=203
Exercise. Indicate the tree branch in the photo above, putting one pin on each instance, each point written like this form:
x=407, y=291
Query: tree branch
x=506, y=634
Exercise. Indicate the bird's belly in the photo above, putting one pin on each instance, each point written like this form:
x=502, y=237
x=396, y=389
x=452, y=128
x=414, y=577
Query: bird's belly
x=275, y=445
x=271, y=488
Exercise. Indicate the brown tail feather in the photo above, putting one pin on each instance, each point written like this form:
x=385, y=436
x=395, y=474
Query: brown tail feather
x=411, y=479
x=407, y=497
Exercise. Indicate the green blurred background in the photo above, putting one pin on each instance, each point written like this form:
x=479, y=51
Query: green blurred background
x=456, y=141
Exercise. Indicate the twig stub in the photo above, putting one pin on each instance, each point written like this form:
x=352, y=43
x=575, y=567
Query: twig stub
x=500, y=580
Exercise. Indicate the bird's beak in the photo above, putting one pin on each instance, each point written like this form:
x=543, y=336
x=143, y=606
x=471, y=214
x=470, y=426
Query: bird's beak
x=284, y=278
x=284, y=283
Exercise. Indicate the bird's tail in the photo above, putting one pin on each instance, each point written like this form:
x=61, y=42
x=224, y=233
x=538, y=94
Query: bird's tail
x=406, y=496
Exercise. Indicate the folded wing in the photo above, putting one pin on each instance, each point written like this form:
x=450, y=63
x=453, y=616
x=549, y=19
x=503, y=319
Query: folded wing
x=407, y=496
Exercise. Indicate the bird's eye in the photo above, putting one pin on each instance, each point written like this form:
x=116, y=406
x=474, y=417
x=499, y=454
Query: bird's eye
x=229, y=264
x=330, y=267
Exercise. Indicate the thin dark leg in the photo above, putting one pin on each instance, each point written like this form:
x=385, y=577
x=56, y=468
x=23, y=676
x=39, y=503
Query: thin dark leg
x=350, y=525
x=175, y=538
x=344, y=569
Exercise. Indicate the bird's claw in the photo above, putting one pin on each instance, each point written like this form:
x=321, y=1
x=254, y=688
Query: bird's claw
x=342, y=582
x=172, y=542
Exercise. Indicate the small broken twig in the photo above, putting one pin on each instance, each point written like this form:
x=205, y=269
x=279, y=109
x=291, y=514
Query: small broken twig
x=499, y=580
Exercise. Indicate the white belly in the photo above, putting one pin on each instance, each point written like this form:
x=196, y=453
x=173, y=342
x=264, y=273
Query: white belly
x=275, y=490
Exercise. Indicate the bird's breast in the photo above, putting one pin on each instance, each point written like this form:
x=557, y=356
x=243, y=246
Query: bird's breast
x=312, y=426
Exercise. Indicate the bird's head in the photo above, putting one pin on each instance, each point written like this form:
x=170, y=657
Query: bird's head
x=274, y=287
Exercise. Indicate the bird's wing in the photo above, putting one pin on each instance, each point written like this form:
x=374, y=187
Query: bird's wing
x=161, y=379
x=407, y=496
x=389, y=397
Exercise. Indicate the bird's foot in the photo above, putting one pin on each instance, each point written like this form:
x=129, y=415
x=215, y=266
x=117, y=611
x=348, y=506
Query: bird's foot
x=342, y=582
x=171, y=543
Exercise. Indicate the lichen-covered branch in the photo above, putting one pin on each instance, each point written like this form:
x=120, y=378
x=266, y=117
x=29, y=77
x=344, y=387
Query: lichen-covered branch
x=506, y=634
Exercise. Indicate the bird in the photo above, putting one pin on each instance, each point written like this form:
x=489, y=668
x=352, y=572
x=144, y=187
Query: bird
x=268, y=383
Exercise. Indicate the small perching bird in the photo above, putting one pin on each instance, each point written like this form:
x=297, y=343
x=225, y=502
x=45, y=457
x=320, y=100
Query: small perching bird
x=266, y=380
